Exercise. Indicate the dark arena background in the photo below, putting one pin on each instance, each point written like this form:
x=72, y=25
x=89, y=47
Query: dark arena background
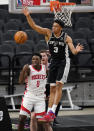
x=77, y=108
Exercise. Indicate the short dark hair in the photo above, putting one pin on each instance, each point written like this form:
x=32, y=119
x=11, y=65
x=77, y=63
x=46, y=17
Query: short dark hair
x=61, y=23
x=43, y=51
x=37, y=54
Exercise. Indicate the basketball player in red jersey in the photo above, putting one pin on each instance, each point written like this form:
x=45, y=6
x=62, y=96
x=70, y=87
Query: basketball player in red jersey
x=59, y=44
x=35, y=77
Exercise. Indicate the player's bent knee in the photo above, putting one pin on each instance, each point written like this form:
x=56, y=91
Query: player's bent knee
x=59, y=84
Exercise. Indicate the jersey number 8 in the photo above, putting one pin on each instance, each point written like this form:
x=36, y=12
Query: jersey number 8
x=38, y=83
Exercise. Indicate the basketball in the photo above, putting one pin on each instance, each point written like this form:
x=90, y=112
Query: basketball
x=20, y=37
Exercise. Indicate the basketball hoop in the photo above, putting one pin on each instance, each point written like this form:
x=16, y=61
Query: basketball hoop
x=57, y=5
x=62, y=11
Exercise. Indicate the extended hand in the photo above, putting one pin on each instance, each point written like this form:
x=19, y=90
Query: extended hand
x=25, y=11
x=79, y=47
x=57, y=7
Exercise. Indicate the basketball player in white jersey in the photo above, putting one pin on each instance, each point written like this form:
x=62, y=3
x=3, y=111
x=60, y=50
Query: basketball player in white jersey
x=59, y=43
x=33, y=122
x=34, y=97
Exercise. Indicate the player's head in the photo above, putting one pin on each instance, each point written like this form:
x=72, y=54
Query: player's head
x=44, y=59
x=57, y=26
x=36, y=59
x=61, y=23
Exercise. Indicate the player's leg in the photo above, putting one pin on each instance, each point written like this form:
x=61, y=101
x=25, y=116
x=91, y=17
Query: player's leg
x=55, y=88
x=56, y=113
x=35, y=125
x=47, y=99
x=58, y=93
x=40, y=126
x=33, y=122
x=52, y=75
x=50, y=94
x=25, y=111
x=47, y=127
x=57, y=98
x=54, y=99
x=22, y=119
x=39, y=111
x=62, y=73
x=51, y=97
x=63, y=70
x=51, y=79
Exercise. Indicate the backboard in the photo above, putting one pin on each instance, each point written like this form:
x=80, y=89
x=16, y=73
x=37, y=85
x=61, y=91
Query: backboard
x=43, y=6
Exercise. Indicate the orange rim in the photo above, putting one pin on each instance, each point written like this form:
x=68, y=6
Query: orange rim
x=57, y=4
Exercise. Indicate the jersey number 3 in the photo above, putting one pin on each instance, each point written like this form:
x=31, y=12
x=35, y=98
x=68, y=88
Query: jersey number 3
x=56, y=49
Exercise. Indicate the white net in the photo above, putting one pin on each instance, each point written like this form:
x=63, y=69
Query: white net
x=64, y=15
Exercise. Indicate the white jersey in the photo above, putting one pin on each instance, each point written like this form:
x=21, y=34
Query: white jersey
x=36, y=81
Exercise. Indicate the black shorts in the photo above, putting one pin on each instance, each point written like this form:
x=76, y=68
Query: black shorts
x=58, y=71
x=47, y=92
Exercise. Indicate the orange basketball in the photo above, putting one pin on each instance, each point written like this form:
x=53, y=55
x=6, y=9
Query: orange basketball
x=20, y=37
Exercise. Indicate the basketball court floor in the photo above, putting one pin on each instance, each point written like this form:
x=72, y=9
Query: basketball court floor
x=78, y=120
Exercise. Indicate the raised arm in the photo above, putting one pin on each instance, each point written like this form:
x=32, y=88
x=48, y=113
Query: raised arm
x=24, y=74
x=74, y=50
x=44, y=31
